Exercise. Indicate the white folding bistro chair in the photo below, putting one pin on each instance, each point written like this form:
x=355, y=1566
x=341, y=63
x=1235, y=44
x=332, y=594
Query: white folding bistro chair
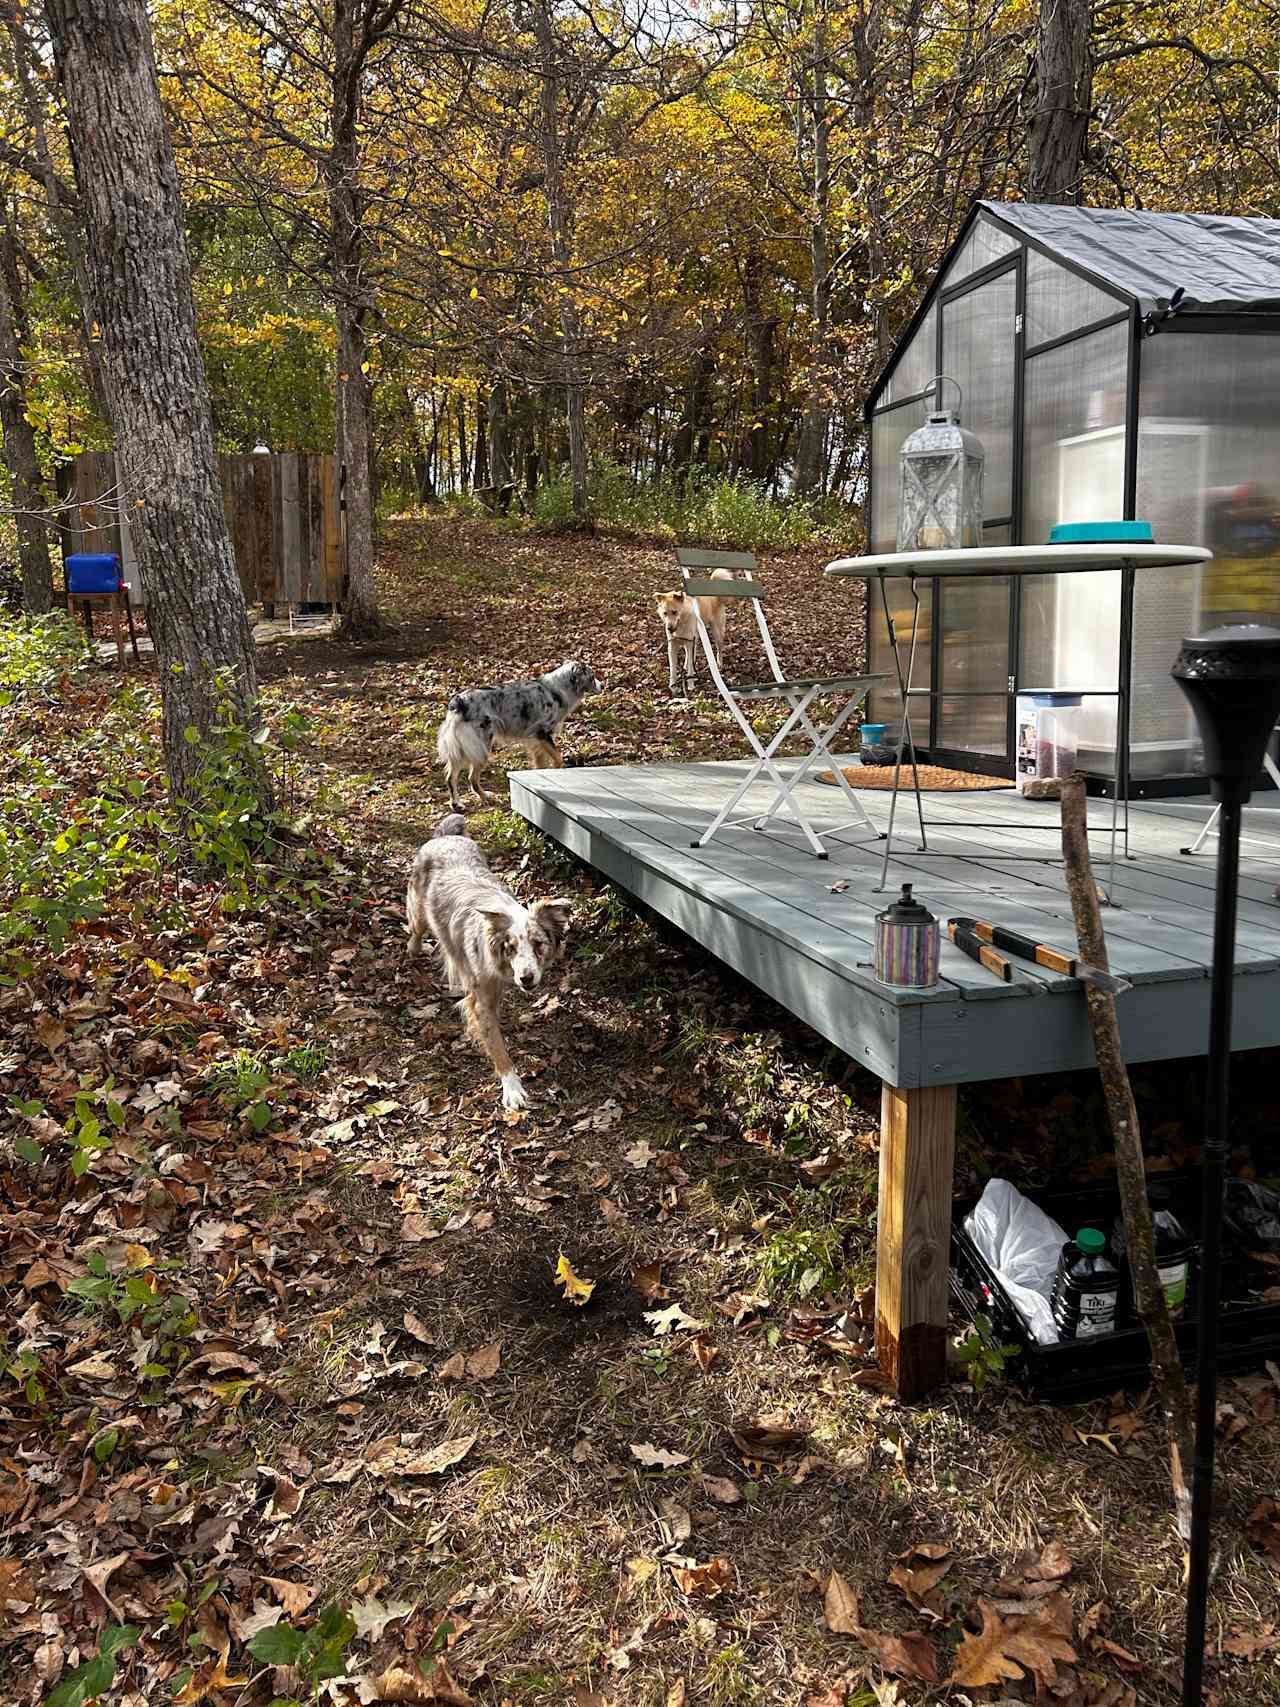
x=798, y=693
x=1210, y=825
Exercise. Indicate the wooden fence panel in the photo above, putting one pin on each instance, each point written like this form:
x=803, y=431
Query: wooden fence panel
x=282, y=514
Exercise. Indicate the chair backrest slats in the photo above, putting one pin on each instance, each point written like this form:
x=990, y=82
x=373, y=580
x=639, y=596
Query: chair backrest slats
x=722, y=589
x=692, y=557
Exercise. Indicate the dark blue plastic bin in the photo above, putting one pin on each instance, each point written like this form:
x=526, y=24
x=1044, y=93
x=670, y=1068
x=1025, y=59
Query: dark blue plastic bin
x=93, y=572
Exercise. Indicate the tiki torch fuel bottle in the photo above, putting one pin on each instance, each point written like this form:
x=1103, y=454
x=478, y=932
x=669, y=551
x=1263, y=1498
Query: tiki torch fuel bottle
x=908, y=938
x=1087, y=1287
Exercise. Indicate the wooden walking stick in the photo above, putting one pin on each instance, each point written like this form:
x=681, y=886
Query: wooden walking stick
x=1166, y=1366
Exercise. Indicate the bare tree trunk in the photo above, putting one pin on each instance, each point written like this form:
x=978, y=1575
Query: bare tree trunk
x=28, y=499
x=139, y=276
x=813, y=428
x=1060, y=122
x=499, y=440
x=1166, y=1366
x=353, y=306
x=59, y=195
x=560, y=224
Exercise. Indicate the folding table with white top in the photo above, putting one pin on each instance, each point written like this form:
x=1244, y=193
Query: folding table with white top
x=917, y=566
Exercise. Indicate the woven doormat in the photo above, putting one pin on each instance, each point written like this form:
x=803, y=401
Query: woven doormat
x=932, y=777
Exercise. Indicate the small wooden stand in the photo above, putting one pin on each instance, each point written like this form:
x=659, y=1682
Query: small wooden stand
x=913, y=1246
x=116, y=603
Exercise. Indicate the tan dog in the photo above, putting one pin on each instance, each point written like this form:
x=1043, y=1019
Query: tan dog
x=680, y=615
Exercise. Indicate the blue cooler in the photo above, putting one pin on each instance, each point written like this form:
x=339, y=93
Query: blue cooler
x=92, y=572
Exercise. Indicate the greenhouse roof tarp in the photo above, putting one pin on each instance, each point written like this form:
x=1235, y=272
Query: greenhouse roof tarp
x=1225, y=265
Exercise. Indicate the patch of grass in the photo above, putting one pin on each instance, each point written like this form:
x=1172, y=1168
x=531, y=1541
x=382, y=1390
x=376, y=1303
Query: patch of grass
x=729, y=1680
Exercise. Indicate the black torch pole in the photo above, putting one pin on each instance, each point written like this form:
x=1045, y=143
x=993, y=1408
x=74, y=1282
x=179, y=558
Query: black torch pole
x=1232, y=679
x=1214, y=1171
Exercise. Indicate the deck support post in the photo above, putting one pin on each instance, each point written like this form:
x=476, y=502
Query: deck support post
x=913, y=1247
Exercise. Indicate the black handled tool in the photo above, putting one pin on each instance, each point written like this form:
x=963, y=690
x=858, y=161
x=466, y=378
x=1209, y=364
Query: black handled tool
x=1052, y=959
x=970, y=943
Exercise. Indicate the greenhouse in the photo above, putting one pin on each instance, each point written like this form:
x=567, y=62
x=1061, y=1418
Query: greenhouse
x=1116, y=365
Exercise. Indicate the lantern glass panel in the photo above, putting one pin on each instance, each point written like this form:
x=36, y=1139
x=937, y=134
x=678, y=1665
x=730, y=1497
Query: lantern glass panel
x=940, y=489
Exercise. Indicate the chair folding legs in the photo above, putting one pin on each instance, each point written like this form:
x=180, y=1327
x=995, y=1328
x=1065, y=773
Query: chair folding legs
x=819, y=750
x=782, y=801
x=1210, y=825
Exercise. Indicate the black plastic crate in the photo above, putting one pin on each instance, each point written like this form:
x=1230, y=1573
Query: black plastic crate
x=1249, y=1331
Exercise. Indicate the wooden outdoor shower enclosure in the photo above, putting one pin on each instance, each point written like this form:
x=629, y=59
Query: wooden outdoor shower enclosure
x=283, y=513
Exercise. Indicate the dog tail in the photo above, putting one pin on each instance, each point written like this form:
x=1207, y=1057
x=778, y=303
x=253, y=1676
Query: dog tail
x=460, y=741
x=454, y=825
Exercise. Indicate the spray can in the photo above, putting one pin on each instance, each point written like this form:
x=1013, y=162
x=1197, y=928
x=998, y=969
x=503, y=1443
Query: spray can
x=907, y=943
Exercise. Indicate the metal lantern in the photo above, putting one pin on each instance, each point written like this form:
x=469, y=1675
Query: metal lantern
x=940, y=484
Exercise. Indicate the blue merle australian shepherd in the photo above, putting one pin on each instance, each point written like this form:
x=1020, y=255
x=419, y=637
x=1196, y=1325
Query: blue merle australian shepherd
x=518, y=714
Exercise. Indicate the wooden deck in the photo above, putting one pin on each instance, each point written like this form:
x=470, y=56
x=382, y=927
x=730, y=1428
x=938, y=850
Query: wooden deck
x=802, y=930
x=786, y=921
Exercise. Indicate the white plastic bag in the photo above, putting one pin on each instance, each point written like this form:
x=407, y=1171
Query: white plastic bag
x=1023, y=1245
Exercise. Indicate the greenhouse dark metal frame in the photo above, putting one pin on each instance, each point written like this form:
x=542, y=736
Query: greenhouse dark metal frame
x=1143, y=322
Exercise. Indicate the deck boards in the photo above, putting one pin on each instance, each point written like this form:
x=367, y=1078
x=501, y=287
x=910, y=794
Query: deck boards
x=764, y=906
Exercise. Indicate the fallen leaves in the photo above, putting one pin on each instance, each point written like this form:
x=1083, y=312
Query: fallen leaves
x=707, y=1581
x=671, y=1320
x=656, y=1457
x=1005, y=1649
x=918, y=1571
x=576, y=1290
x=1262, y=1526
x=909, y=1655
x=840, y=1607
x=766, y=1440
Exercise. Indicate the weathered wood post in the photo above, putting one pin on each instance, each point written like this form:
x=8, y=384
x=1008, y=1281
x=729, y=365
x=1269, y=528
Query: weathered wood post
x=913, y=1240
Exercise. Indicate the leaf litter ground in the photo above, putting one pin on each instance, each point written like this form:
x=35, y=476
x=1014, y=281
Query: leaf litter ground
x=329, y=1367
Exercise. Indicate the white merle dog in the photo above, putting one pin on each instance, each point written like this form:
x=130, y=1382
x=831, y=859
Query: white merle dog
x=488, y=941
x=518, y=714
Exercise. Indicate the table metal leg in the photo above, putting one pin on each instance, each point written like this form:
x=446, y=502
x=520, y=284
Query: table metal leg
x=905, y=736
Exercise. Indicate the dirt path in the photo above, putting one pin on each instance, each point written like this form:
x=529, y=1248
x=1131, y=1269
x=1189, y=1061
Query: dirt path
x=373, y=1394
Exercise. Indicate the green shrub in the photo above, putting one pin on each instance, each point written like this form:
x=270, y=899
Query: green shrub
x=713, y=509
x=37, y=653
x=78, y=827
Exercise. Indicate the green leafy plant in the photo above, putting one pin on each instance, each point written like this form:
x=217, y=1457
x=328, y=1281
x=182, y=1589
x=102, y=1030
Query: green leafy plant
x=86, y=1134
x=318, y=1653
x=240, y=1084
x=37, y=653
x=163, y=1314
x=94, y=1677
x=981, y=1354
x=303, y=1061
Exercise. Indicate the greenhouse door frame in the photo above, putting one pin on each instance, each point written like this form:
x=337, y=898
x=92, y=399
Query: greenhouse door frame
x=1126, y=312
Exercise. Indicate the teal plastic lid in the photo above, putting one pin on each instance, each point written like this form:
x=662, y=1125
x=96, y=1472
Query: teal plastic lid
x=1101, y=533
x=1091, y=1241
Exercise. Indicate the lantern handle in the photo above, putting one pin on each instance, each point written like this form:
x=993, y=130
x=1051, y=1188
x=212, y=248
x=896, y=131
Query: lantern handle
x=935, y=385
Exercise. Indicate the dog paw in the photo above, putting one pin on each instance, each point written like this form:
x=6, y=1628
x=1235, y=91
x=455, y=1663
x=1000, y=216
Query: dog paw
x=514, y=1094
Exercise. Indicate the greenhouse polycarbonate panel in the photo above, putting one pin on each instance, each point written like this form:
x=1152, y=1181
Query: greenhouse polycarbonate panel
x=1059, y=301
x=1208, y=474
x=918, y=364
x=1073, y=471
x=974, y=620
x=974, y=725
x=984, y=244
x=889, y=431
x=978, y=352
x=882, y=703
